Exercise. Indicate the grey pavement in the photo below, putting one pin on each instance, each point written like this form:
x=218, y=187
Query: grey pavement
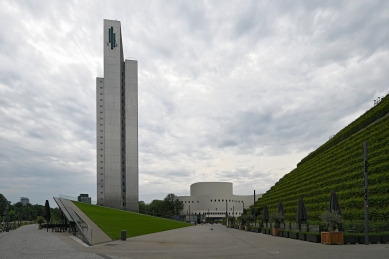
x=30, y=242
x=192, y=242
x=202, y=242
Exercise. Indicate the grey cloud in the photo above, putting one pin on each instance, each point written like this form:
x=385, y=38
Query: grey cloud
x=223, y=88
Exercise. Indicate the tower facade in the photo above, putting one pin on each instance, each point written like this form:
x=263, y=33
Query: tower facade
x=117, y=125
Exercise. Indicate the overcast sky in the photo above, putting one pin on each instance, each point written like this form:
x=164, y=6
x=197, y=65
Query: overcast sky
x=236, y=91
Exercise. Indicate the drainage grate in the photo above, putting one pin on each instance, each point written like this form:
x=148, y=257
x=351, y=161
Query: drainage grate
x=110, y=244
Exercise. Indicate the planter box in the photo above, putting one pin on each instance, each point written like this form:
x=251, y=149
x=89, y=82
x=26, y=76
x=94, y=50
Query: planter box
x=274, y=231
x=247, y=228
x=285, y=234
x=350, y=239
x=314, y=238
x=372, y=239
x=293, y=235
x=385, y=239
x=302, y=236
x=332, y=238
x=257, y=230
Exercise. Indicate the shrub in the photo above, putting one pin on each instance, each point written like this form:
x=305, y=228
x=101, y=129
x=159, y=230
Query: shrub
x=40, y=220
x=276, y=218
x=331, y=219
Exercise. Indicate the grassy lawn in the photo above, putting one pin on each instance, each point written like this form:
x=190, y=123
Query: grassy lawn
x=112, y=221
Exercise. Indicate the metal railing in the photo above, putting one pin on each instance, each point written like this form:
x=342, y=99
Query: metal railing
x=83, y=231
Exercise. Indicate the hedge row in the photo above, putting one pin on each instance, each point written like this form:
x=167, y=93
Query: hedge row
x=362, y=122
x=340, y=168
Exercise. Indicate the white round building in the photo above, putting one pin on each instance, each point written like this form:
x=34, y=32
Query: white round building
x=214, y=199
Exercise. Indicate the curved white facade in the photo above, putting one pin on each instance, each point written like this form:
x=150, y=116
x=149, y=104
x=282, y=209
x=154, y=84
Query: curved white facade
x=213, y=199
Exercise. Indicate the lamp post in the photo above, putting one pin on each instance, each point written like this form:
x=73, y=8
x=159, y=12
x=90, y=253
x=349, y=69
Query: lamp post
x=255, y=218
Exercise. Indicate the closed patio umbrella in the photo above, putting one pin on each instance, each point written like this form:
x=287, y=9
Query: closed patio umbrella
x=334, y=206
x=265, y=214
x=46, y=213
x=302, y=215
x=334, y=203
x=281, y=208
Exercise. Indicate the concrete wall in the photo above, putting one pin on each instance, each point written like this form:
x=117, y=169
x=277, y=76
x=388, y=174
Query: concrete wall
x=117, y=126
x=132, y=181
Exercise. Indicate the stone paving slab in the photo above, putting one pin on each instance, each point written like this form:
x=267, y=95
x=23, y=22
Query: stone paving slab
x=201, y=242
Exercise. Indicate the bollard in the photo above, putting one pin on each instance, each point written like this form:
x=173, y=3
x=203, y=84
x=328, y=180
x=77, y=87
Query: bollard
x=123, y=236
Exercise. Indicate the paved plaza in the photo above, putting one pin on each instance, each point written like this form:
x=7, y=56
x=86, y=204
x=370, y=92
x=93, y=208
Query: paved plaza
x=192, y=242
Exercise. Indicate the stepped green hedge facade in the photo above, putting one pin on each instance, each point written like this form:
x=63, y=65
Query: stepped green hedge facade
x=338, y=165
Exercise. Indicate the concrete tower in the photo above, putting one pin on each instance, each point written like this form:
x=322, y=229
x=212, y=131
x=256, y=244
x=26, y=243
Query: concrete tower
x=117, y=125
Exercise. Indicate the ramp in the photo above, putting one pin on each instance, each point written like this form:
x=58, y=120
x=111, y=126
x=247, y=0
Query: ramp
x=86, y=229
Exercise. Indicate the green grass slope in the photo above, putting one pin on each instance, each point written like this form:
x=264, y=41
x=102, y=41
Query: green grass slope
x=338, y=166
x=112, y=221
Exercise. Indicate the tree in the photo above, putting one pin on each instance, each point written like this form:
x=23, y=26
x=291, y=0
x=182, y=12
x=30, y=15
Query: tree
x=172, y=205
x=142, y=206
x=3, y=203
x=11, y=215
x=18, y=205
x=156, y=206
